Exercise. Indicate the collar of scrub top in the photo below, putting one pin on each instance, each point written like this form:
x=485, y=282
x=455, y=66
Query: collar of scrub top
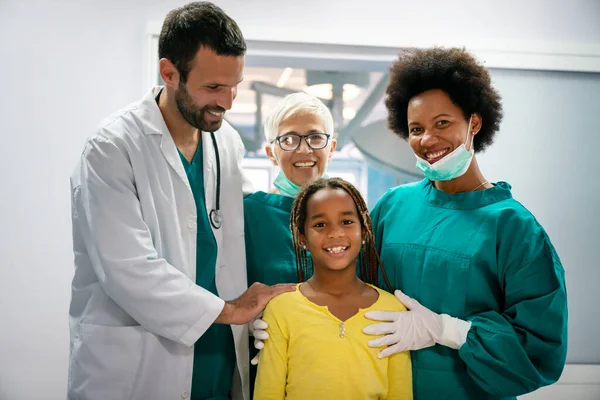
x=274, y=200
x=467, y=200
x=215, y=214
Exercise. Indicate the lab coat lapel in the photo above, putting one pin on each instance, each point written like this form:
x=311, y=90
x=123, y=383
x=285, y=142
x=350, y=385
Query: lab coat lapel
x=169, y=150
x=155, y=125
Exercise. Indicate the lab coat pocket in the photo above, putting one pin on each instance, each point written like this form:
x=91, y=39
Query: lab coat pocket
x=438, y=279
x=105, y=361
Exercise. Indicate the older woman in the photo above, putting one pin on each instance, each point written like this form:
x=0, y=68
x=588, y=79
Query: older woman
x=488, y=304
x=300, y=141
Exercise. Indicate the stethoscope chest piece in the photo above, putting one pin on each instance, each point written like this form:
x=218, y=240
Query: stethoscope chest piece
x=215, y=218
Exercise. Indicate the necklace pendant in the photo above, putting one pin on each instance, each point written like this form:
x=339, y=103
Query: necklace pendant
x=342, y=330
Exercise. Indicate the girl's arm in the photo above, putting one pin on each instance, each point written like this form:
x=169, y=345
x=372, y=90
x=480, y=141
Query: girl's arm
x=272, y=368
x=400, y=377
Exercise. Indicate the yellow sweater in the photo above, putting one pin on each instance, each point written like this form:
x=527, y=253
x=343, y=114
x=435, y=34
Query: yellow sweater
x=312, y=355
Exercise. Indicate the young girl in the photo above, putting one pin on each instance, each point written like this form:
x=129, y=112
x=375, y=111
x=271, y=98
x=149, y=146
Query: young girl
x=317, y=349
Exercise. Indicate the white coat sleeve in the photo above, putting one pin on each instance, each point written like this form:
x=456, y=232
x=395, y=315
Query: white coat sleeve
x=157, y=295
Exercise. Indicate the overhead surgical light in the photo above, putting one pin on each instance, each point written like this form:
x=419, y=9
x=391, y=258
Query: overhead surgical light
x=324, y=91
x=285, y=75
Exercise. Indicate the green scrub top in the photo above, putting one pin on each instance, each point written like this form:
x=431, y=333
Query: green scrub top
x=270, y=257
x=214, y=352
x=483, y=257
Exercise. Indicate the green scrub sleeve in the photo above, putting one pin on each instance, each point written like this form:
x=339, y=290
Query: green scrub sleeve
x=524, y=347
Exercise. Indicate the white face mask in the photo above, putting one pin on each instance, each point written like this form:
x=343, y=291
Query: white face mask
x=453, y=165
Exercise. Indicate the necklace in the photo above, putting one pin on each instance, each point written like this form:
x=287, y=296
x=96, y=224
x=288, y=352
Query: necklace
x=484, y=183
x=342, y=327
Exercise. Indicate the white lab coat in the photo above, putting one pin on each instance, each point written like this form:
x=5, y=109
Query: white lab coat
x=135, y=311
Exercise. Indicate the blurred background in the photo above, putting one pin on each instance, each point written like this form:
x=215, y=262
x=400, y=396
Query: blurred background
x=68, y=64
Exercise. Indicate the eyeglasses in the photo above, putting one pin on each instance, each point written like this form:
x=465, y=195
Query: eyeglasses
x=291, y=141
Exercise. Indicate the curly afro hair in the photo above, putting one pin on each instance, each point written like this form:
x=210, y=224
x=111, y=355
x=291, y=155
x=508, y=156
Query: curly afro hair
x=454, y=71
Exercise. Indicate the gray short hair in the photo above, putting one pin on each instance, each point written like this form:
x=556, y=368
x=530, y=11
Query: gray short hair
x=295, y=104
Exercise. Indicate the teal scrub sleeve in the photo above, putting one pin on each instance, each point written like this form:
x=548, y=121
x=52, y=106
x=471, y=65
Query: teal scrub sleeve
x=524, y=347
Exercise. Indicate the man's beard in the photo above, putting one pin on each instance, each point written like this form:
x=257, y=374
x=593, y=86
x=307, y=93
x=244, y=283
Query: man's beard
x=193, y=114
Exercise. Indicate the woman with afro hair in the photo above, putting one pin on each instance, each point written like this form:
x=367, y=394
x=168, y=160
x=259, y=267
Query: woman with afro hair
x=483, y=283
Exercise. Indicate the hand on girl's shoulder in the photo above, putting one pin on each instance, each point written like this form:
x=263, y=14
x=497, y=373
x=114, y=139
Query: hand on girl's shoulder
x=283, y=300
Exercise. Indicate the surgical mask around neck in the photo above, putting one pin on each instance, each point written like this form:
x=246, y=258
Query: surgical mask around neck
x=285, y=186
x=452, y=165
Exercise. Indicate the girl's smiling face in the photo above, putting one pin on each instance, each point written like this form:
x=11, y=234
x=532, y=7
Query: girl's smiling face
x=332, y=231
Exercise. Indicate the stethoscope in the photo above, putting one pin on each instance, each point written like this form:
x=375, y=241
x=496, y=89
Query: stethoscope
x=215, y=214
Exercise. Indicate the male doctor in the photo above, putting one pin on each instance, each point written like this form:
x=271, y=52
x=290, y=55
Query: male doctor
x=159, y=302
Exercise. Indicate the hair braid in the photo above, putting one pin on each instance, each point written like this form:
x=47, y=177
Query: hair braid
x=302, y=269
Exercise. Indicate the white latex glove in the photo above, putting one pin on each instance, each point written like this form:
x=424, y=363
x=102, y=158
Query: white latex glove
x=415, y=329
x=258, y=328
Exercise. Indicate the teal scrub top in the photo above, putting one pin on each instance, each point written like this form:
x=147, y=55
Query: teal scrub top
x=270, y=257
x=214, y=352
x=483, y=257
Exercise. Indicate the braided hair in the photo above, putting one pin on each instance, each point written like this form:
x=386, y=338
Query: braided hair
x=369, y=261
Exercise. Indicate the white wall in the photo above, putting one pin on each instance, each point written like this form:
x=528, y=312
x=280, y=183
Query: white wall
x=546, y=149
x=67, y=64
x=484, y=24
x=577, y=382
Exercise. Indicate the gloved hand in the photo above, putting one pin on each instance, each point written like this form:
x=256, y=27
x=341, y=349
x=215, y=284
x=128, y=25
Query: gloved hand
x=415, y=329
x=258, y=328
